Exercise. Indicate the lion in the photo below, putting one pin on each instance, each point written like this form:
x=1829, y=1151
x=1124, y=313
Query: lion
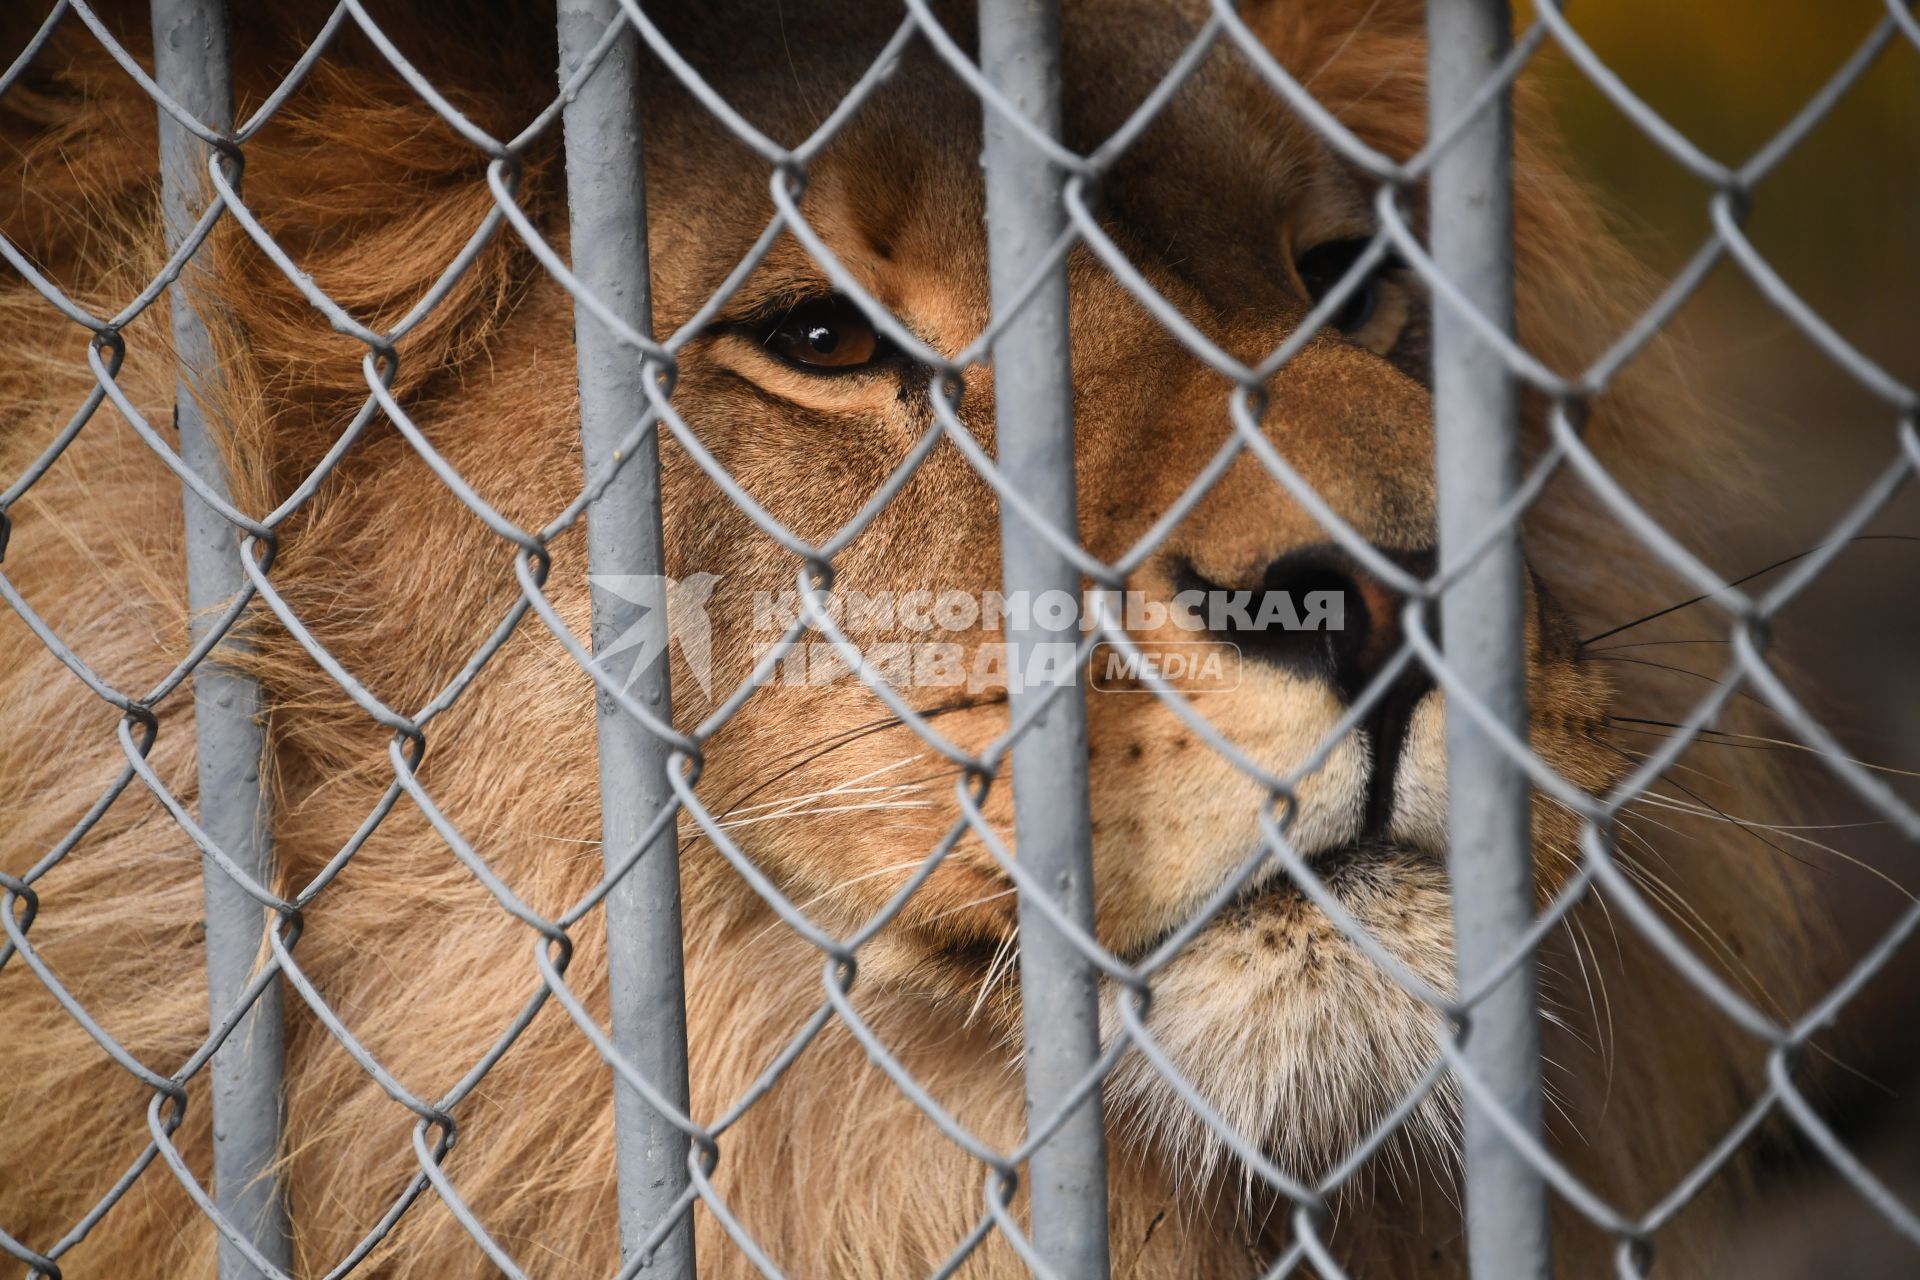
x=1233, y=210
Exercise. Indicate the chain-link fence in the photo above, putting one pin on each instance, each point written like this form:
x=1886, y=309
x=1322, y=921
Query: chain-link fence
x=1325, y=842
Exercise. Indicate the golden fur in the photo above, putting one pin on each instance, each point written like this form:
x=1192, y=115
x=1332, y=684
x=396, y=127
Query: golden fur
x=1294, y=1035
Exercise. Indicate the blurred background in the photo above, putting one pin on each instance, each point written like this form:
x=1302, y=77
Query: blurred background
x=1839, y=219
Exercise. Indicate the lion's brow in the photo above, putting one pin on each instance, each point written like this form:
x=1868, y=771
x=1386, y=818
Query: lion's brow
x=770, y=295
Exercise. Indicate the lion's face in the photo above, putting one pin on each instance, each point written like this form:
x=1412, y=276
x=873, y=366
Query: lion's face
x=1239, y=218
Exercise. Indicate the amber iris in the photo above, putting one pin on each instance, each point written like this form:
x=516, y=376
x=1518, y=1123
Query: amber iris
x=825, y=333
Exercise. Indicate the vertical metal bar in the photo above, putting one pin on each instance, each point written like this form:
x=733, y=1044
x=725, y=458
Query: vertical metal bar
x=606, y=208
x=1483, y=622
x=190, y=61
x=1033, y=394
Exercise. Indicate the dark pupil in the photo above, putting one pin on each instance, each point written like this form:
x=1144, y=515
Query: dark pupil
x=822, y=339
x=1325, y=266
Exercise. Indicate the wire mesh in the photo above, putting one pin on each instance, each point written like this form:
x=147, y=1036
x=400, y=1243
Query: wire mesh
x=652, y=758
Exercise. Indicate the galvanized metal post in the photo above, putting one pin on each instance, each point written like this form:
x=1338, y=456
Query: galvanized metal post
x=607, y=217
x=1033, y=394
x=1483, y=623
x=191, y=64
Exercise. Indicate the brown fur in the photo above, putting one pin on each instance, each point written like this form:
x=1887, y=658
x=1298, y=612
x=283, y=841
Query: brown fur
x=834, y=1172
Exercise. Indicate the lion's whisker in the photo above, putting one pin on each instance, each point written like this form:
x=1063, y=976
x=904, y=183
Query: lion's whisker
x=1787, y=832
x=1708, y=738
x=1690, y=919
x=811, y=752
x=1743, y=579
x=965, y=906
x=840, y=788
x=1713, y=680
x=1678, y=766
x=778, y=805
x=1677, y=904
x=829, y=808
x=1586, y=982
x=1550, y=1093
x=1000, y=956
x=840, y=886
x=1638, y=837
x=1603, y=1024
x=1709, y=805
x=1720, y=815
x=1595, y=975
x=1654, y=644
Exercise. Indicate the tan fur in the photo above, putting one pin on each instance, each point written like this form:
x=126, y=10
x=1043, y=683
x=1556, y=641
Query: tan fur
x=1276, y=1018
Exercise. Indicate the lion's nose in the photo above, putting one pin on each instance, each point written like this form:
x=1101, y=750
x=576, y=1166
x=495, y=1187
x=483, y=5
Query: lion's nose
x=1316, y=611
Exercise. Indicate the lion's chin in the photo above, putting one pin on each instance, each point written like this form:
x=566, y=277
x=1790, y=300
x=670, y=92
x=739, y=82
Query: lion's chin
x=1282, y=1029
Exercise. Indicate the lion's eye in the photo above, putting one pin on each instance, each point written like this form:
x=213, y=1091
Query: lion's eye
x=1324, y=266
x=825, y=334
